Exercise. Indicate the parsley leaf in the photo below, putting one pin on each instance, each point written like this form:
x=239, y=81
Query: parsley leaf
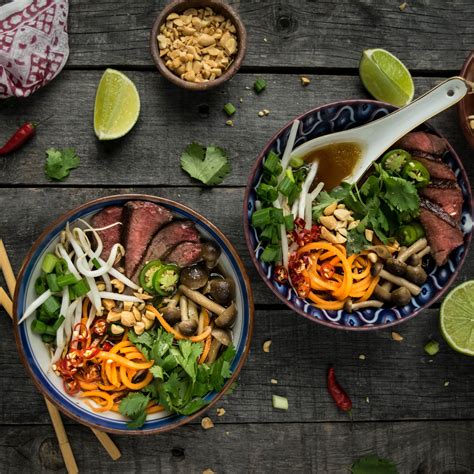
x=209, y=165
x=373, y=465
x=60, y=162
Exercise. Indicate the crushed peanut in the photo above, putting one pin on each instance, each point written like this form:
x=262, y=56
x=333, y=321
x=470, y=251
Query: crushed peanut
x=305, y=81
x=220, y=411
x=266, y=346
x=207, y=423
x=197, y=45
x=230, y=123
x=397, y=337
x=274, y=381
x=403, y=6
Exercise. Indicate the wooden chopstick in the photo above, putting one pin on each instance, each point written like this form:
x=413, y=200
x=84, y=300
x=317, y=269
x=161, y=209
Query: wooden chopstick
x=64, y=446
x=6, y=267
x=6, y=302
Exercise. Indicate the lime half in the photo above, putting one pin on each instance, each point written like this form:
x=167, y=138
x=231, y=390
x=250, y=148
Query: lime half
x=386, y=77
x=117, y=106
x=457, y=318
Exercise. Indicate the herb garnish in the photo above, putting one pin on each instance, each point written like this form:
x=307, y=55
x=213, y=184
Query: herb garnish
x=207, y=164
x=60, y=162
x=180, y=383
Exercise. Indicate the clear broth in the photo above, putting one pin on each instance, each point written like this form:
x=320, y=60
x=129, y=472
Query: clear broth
x=335, y=162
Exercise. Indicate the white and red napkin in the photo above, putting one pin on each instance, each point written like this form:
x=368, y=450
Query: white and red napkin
x=33, y=45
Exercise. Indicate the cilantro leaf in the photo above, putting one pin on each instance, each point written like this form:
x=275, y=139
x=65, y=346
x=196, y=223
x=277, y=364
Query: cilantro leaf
x=324, y=200
x=157, y=372
x=356, y=242
x=134, y=406
x=193, y=406
x=400, y=194
x=209, y=165
x=373, y=465
x=60, y=162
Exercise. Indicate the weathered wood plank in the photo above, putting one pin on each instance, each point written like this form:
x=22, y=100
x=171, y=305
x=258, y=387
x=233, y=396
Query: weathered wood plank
x=300, y=33
x=27, y=211
x=395, y=381
x=421, y=447
x=149, y=155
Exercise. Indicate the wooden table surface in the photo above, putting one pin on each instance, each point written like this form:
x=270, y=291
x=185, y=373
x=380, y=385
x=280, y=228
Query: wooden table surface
x=408, y=407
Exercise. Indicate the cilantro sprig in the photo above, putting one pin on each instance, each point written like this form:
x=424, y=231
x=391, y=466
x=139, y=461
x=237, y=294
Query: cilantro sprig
x=207, y=164
x=180, y=384
x=382, y=203
x=59, y=163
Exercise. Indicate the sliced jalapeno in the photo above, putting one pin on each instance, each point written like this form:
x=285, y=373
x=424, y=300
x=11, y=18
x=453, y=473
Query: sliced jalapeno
x=147, y=273
x=395, y=160
x=166, y=279
x=416, y=172
x=408, y=234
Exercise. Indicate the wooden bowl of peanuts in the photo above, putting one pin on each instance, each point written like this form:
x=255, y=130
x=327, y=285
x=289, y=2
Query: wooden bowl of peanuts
x=198, y=44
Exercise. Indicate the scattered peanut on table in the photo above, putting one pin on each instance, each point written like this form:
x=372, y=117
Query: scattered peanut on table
x=197, y=45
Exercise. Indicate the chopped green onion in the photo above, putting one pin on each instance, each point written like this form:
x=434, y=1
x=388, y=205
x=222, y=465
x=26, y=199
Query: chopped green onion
x=229, y=109
x=49, y=263
x=42, y=315
x=272, y=163
x=52, y=281
x=47, y=338
x=38, y=326
x=289, y=222
x=51, y=306
x=271, y=233
x=281, y=403
x=66, y=280
x=96, y=263
x=296, y=162
x=432, y=348
x=277, y=216
x=272, y=253
x=269, y=179
x=40, y=285
x=61, y=267
x=50, y=331
x=260, y=85
x=266, y=193
x=58, y=323
x=81, y=288
x=287, y=187
x=262, y=217
x=72, y=296
x=296, y=191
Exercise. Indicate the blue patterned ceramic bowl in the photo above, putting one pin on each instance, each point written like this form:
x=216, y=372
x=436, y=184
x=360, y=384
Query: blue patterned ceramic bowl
x=34, y=353
x=333, y=118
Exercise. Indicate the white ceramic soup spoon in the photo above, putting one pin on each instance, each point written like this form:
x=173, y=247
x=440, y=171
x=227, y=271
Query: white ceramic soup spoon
x=376, y=137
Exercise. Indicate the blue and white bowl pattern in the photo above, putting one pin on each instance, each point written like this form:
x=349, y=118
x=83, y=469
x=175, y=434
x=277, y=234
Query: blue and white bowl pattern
x=333, y=118
x=38, y=358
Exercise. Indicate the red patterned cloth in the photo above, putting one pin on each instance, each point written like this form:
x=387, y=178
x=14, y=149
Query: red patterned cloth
x=33, y=45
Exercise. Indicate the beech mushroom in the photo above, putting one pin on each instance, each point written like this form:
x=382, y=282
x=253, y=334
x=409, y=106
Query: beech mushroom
x=221, y=337
x=382, y=294
x=414, y=248
x=381, y=250
x=194, y=277
x=416, y=275
x=210, y=253
x=221, y=290
x=349, y=306
x=187, y=326
x=401, y=296
x=227, y=317
x=396, y=266
x=399, y=281
x=376, y=269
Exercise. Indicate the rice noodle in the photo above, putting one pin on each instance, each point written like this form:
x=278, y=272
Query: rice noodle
x=91, y=317
x=82, y=264
x=284, y=237
x=305, y=188
x=35, y=305
x=308, y=217
x=315, y=193
x=70, y=266
x=68, y=320
x=78, y=312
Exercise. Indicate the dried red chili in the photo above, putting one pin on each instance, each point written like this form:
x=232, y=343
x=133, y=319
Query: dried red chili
x=100, y=327
x=338, y=394
x=71, y=386
x=281, y=274
x=106, y=346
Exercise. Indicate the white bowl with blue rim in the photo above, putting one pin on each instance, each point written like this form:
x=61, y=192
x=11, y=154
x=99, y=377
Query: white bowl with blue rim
x=34, y=352
x=332, y=118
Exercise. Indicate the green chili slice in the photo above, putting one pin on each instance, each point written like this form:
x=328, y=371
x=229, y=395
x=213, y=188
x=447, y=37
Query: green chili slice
x=166, y=279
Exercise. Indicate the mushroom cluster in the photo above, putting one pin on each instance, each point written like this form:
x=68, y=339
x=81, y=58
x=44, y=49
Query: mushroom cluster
x=401, y=276
x=204, y=296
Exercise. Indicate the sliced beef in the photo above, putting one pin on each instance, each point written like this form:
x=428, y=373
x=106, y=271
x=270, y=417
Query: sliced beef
x=423, y=141
x=437, y=169
x=448, y=196
x=167, y=238
x=185, y=254
x=142, y=220
x=442, y=231
x=110, y=237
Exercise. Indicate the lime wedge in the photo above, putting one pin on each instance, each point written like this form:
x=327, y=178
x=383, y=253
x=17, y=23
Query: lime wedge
x=117, y=106
x=457, y=318
x=386, y=77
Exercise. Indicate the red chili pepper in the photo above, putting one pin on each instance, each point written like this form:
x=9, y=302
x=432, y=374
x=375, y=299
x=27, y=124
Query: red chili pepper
x=100, y=327
x=338, y=394
x=66, y=368
x=71, y=386
x=281, y=274
x=90, y=373
x=107, y=346
x=327, y=270
x=90, y=352
x=19, y=138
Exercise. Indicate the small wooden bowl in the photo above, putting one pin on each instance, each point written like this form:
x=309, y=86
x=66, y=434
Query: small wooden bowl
x=466, y=106
x=178, y=6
